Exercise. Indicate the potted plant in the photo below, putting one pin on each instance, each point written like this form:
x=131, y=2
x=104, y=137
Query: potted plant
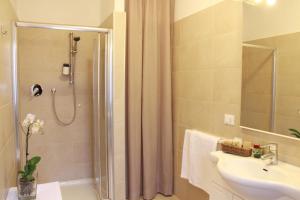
x=27, y=177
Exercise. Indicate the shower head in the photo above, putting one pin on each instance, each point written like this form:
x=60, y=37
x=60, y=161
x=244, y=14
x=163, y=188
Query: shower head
x=74, y=47
x=76, y=39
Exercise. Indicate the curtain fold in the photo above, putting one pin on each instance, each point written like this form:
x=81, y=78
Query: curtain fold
x=149, y=103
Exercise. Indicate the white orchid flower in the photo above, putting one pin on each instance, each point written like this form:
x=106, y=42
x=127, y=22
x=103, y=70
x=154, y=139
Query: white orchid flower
x=30, y=117
x=35, y=129
x=25, y=123
x=36, y=125
x=40, y=123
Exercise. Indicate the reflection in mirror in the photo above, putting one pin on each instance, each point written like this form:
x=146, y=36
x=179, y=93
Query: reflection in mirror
x=271, y=67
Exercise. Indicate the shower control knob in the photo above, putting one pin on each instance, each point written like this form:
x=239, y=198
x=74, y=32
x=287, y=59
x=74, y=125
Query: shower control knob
x=36, y=90
x=53, y=90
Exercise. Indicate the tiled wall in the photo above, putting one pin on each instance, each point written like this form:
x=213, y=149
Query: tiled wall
x=206, y=78
x=207, y=75
x=257, y=71
x=66, y=151
x=7, y=136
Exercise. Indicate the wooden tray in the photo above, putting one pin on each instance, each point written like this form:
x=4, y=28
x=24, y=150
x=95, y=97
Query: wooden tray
x=236, y=150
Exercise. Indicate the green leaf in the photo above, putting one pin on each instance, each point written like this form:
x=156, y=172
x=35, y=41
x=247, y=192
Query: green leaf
x=30, y=167
x=295, y=132
x=35, y=160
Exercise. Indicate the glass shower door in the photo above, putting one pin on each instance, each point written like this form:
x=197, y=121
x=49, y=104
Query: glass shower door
x=100, y=117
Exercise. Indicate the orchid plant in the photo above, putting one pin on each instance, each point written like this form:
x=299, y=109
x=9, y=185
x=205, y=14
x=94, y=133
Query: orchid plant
x=30, y=126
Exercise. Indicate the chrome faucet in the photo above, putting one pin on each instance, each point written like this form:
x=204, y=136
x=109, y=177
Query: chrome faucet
x=271, y=152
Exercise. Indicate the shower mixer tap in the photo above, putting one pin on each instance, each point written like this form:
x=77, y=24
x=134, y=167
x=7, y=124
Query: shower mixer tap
x=36, y=90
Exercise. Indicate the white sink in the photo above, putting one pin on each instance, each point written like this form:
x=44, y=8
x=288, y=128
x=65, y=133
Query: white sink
x=254, y=180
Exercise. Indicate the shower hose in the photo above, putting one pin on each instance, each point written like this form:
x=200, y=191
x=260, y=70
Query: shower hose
x=53, y=91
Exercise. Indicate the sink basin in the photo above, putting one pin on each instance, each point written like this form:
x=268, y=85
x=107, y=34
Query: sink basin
x=255, y=180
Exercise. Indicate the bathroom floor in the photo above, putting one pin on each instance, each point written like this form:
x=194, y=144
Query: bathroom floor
x=161, y=197
x=79, y=192
x=87, y=192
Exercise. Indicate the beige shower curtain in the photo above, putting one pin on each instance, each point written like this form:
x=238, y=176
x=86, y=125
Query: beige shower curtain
x=149, y=109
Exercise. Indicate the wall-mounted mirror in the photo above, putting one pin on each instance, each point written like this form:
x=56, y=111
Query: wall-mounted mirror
x=271, y=66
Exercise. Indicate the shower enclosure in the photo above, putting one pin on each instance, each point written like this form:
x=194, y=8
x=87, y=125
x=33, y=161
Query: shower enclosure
x=73, y=97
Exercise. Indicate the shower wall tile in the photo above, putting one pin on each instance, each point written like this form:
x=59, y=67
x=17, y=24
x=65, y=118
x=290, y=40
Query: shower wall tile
x=207, y=79
x=66, y=151
x=8, y=167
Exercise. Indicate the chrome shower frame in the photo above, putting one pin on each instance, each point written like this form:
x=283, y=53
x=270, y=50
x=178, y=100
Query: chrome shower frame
x=71, y=76
x=108, y=83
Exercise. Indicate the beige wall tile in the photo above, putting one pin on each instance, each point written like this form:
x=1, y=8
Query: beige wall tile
x=200, y=19
x=228, y=16
x=227, y=49
x=206, y=79
x=219, y=109
x=227, y=84
x=194, y=84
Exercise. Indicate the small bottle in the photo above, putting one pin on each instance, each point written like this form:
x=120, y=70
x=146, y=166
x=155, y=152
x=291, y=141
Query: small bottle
x=257, y=151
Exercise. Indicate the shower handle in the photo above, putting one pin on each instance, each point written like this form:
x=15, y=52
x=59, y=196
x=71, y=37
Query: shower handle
x=53, y=90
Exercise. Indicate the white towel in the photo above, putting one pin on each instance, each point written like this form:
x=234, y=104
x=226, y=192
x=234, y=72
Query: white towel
x=47, y=191
x=196, y=162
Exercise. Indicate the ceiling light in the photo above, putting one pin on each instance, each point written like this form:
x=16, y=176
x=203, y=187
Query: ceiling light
x=271, y=2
